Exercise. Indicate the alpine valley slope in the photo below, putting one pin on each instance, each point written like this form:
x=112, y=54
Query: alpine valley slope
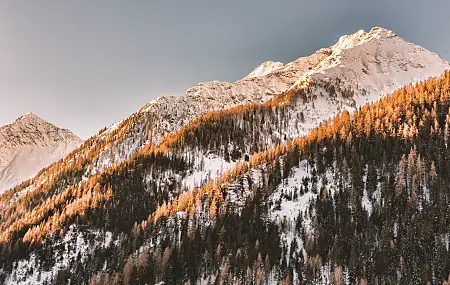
x=27, y=145
x=360, y=68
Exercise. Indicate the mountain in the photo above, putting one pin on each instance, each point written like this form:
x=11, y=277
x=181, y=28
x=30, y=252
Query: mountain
x=361, y=66
x=233, y=182
x=370, y=63
x=361, y=199
x=27, y=145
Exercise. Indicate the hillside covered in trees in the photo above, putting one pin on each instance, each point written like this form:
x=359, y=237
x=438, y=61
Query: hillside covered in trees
x=363, y=198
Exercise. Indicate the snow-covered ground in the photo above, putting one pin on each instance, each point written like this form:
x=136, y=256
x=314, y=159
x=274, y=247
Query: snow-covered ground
x=365, y=65
x=288, y=201
x=75, y=243
x=207, y=167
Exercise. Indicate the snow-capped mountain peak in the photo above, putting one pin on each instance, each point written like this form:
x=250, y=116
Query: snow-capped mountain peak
x=371, y=64
x=364, y=65
x=264, y=69
x=359, y=68
x=30, y=116
x=28, y=144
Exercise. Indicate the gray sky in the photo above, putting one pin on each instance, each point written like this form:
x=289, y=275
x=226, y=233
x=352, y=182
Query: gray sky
x=83, y=65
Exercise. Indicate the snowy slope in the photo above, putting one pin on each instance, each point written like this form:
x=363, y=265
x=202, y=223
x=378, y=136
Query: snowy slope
x=374, y=63
x=264, y=82
x=264, y=69
x=361, y=68
x=167, y=114
x=364, y=65
x=27, y=145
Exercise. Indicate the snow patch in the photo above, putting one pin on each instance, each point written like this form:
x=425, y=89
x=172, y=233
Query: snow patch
x=30, y=272
x=208, y=167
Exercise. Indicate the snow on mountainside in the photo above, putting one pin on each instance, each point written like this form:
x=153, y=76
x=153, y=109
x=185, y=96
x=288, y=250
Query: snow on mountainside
x=359, y=68
x=264, y=82
x=374, y=63
x=167, y=114
x=27, y=145
x=264, y=69
x=365, y=65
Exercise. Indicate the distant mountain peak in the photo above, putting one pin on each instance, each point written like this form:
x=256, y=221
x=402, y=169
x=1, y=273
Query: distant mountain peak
x=27, y=122
x=29, y=114
x=28, y=144
x=32, y=116
x=26, y=116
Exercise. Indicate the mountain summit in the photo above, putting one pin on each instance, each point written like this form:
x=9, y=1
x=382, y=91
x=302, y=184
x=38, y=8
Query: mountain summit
x=265, y=68
x=374, y=63
x=222, y=180
x=362, y=67
x=28, y=144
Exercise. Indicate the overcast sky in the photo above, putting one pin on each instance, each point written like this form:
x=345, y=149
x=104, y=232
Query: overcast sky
x=83, y=65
